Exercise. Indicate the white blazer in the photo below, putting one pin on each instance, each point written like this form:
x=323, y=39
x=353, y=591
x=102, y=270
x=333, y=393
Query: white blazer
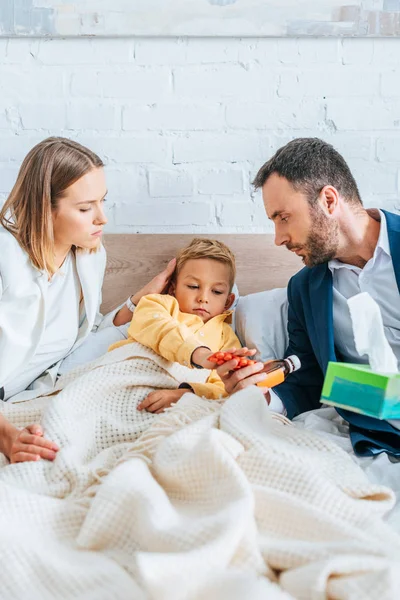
x=23, y=305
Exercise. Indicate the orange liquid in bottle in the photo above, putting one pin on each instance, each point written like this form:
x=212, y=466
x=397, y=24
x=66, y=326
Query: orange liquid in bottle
x=276, y=371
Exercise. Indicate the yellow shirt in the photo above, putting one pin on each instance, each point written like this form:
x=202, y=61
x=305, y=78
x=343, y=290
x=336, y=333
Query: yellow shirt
x=157, y=323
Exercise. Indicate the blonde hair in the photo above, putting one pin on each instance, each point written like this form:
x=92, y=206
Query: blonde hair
x=205, y=248
x=46, y=172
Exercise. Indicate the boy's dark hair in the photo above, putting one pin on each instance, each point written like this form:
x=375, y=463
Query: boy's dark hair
x=310, y=164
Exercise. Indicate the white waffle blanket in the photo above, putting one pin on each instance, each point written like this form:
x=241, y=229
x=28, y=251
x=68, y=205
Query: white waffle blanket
x=206, y=501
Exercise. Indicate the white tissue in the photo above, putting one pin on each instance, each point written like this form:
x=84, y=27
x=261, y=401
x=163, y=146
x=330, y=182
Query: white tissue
x=369, y=335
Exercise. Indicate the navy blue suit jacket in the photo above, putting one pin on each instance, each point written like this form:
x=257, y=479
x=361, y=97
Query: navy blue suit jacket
x=310, y=327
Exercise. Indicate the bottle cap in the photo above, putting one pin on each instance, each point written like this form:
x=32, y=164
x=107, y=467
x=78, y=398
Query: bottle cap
x=294, y=362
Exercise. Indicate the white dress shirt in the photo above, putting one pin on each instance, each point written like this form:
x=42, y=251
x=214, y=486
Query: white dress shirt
x=378, y=279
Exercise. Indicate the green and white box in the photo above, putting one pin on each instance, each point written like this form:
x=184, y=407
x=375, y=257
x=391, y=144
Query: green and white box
x=357, y=388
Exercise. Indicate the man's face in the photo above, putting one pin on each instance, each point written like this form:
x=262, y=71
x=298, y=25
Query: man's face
x=304, y=229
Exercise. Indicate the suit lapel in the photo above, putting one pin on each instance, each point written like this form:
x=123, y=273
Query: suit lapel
x=393, y=229
x=321, y=303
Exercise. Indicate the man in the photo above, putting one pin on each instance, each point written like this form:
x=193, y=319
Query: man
x=312, y=198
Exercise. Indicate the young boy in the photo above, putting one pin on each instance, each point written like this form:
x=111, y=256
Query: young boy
x=192, y=321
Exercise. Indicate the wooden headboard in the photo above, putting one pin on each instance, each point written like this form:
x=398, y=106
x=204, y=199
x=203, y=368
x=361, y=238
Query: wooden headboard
x=133, y=259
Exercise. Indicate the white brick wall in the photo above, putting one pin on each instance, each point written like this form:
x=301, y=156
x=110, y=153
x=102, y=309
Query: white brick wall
x=184, y=124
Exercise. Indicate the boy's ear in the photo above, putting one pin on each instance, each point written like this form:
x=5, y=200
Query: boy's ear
x=229, y=301
x=171, y=288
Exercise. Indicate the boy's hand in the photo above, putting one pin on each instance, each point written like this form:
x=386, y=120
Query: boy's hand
x=29, y=445
x=201, y=357
x=157, y=401
x=219, y=358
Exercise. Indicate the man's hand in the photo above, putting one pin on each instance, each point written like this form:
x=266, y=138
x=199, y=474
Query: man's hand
x=238, y=380
x=158, y=284
x=157, y=401
x=29, y=445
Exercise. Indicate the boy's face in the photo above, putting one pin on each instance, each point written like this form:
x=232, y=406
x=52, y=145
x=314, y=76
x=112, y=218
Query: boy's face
x=202, y=288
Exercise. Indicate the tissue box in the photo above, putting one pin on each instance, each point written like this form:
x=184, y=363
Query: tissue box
x=357, y=388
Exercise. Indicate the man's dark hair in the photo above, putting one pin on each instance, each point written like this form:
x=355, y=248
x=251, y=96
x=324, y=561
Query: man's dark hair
x=310, y=164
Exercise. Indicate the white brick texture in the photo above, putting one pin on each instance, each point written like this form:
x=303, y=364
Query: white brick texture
x=183, y=125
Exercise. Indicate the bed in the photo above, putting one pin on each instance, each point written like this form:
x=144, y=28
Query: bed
x=209, y=500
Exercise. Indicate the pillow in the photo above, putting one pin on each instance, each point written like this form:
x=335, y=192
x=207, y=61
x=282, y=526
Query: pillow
x=235, y=291
x=261, y=323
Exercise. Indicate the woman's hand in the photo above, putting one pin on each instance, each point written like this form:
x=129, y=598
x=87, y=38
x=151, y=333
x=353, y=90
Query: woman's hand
x=157, y=285
x=27, y=444
x=157, y=401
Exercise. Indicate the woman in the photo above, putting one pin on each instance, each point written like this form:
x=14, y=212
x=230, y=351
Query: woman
x=52, y=265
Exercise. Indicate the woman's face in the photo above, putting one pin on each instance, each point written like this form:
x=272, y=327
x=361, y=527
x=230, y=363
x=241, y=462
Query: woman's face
x=79, y=218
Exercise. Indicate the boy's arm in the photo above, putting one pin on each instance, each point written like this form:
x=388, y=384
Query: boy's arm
x=214, y=388
x=155, y=324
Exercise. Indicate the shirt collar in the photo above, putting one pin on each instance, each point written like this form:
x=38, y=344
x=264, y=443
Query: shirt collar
x=381, y=246
x=223, y=317
x=383, y=240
